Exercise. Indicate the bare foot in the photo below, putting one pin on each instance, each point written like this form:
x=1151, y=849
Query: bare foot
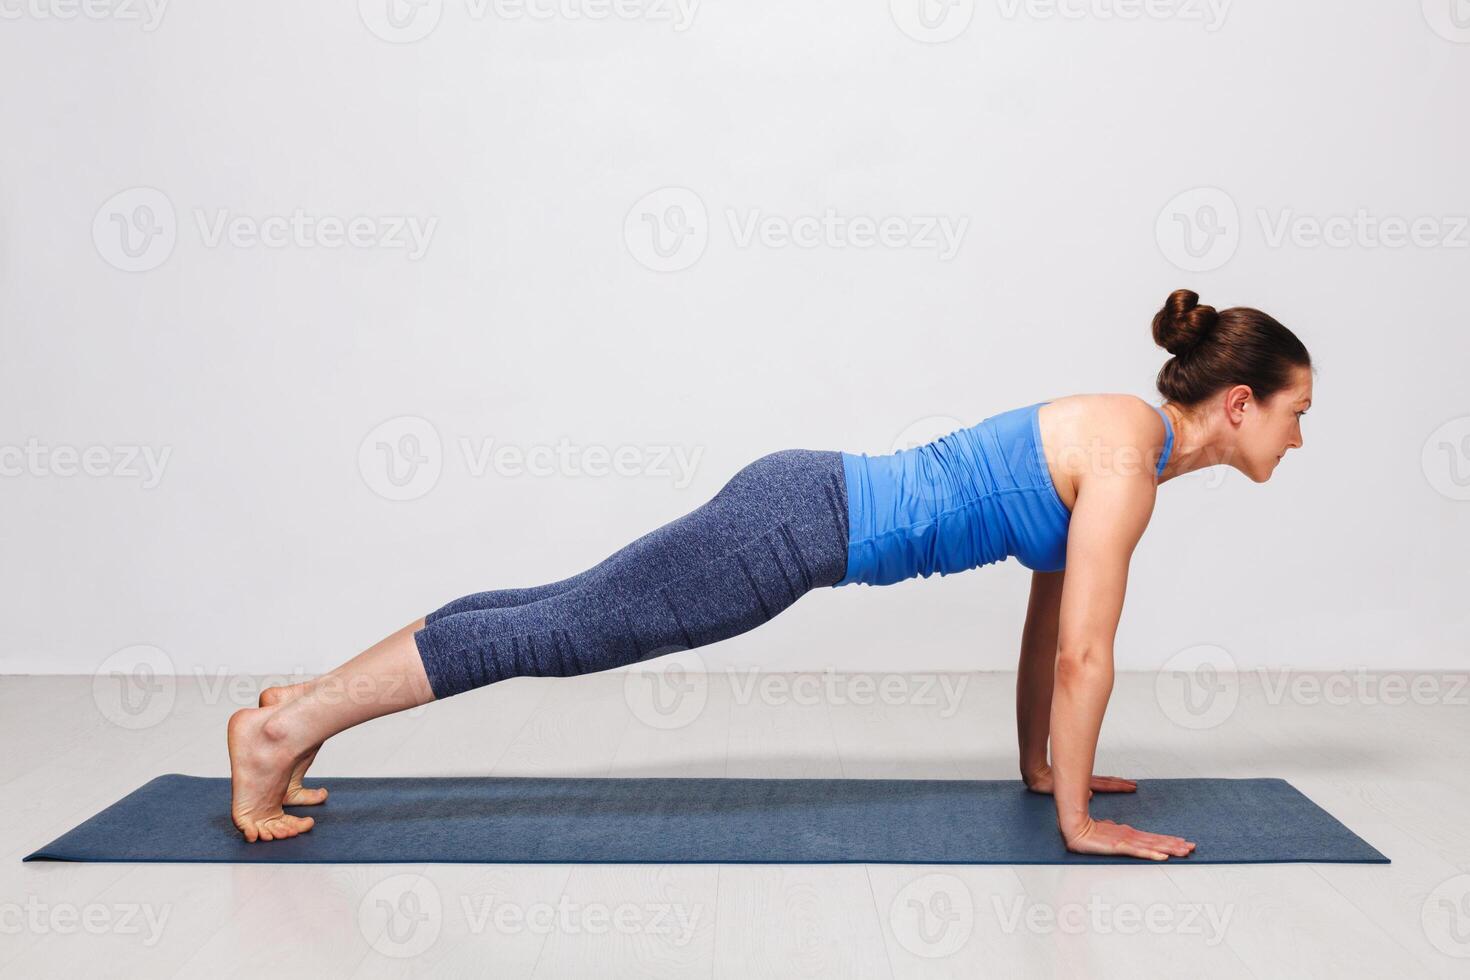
x=296, y=794
x=261, y=762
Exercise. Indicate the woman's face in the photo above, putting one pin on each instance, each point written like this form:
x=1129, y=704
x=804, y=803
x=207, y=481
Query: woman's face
x=1270, y=428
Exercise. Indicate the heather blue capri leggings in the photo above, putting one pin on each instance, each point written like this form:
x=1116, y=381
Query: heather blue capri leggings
x=775, y=531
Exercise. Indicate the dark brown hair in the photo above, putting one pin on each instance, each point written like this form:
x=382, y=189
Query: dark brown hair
x=1214, y=350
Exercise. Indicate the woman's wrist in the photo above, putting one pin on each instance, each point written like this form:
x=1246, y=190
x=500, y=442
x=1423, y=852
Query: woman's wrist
x=1071, y=821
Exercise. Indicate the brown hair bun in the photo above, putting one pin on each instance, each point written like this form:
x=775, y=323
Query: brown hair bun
x=1183, y=324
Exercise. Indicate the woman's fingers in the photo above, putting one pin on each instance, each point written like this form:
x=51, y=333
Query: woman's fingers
x=1114, y=784
x=1177, y=846
x=1135, y=849
x=1158, y=843
x=1139, y=848
x=1169, y=839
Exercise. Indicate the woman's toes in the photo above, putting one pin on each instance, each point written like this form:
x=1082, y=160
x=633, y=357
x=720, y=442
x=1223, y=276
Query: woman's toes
x=283, y=826
x=297, y=825
x=301, y=796
x=279, y=693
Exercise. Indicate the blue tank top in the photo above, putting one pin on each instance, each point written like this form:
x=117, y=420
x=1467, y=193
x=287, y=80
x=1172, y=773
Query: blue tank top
x=975, y=496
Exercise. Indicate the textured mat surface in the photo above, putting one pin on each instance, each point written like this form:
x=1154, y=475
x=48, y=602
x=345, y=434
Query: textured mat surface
x=524, y=820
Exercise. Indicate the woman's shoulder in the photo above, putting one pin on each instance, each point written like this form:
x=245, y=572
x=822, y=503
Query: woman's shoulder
x=1102, y=413
x=1095, y=432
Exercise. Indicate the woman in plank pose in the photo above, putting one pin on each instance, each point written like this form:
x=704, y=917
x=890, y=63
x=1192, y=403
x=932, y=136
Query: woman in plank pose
x=1065, y=486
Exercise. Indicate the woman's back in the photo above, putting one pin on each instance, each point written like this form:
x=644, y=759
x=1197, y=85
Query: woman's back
x=975, y=496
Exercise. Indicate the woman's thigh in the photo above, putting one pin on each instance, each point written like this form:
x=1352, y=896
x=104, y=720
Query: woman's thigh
x=805, y=487
x=776, y=530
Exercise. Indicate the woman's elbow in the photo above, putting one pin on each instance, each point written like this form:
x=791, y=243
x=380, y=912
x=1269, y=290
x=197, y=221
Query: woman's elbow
x=1085, y=665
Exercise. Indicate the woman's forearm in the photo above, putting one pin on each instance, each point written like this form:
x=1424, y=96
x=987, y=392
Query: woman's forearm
x=1083, y=684
x=1034, y=677
x=1035, y=672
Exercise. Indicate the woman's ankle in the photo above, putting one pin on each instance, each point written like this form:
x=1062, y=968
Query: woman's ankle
x=294, y=726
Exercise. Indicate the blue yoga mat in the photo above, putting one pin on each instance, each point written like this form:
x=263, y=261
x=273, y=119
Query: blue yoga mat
x=523, y=820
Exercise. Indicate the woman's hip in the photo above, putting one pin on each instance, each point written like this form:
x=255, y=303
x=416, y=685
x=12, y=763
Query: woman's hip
x=798, y=495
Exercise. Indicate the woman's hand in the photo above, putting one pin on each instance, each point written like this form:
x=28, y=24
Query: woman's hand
x=1040, y=781
x=1107, y=837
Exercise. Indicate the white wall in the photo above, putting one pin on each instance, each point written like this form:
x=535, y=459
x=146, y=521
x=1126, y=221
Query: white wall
x=532, y=318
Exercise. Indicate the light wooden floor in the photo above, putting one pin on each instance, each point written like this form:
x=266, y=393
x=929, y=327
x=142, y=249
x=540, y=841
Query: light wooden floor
x=1399, y=775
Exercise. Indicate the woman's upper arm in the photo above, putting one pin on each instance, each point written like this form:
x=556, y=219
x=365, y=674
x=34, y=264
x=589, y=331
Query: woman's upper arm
x=1107, y=522
x=1043, y=610
x=1044, y=603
